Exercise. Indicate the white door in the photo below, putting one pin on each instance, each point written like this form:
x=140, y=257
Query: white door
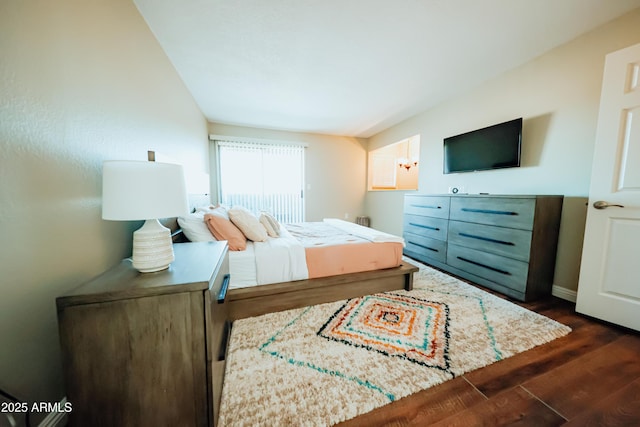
x=609, y=287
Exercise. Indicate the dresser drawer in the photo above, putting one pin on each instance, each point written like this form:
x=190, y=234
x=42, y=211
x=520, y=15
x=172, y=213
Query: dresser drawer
x=503, y=212
x=426, y=226
x=509, y=242
x=433, y=206
x=426, y=247
x=217, y=313
x=218, y=333
x=217, y=281
x=504, y=271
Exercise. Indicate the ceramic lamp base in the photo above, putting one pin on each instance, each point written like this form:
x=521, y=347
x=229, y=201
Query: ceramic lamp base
x=152, y=247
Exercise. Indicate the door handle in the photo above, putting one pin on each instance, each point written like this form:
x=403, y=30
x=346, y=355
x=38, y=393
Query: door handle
x=601, y=204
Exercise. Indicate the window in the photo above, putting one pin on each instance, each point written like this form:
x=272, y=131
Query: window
x=262, y=177
x=395, y=166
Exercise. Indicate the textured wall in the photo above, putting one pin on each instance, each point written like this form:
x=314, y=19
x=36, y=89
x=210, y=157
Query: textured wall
x=80, y=82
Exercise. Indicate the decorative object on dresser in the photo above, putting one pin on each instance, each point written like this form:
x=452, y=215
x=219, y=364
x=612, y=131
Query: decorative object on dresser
x=136, y=190
x=506, y=243
x=148, y=349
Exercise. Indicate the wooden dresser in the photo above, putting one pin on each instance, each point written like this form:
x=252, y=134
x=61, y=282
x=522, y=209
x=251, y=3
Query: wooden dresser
x=148, y=349
x=506, y=243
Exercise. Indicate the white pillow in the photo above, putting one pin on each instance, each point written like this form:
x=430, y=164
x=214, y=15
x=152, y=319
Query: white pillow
x=194, y=227
x=270, y=224
x=248, y=224
x=219, y=210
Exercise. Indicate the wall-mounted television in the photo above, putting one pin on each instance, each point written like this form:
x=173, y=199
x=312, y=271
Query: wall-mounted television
x=493, y=147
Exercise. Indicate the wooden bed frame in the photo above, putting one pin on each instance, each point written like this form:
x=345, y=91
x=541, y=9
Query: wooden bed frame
x=262, y=299
x=256, y=300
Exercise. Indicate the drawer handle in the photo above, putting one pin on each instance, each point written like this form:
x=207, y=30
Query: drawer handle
x=497, y=270
x=424, y=226
x=223, y=289
x=427, y=206
x=487, y=239
x=423, y=246
x=488, y=211
x=224, y=343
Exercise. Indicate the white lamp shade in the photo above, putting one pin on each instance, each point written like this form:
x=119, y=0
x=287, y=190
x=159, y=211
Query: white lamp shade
x=135, y=190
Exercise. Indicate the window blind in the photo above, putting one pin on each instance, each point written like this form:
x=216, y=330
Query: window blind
x=262, y=177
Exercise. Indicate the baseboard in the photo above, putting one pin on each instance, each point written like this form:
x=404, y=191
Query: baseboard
x=564, y=293
x=55, y=419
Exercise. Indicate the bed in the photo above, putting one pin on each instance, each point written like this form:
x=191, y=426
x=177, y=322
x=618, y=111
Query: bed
x=304, y=264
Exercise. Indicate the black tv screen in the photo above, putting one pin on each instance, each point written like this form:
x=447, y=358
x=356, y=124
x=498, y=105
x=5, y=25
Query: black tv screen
x=493, y=147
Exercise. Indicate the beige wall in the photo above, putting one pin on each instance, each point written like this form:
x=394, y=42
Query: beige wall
x=335, y=169
x=557, y=94
x=80, y=82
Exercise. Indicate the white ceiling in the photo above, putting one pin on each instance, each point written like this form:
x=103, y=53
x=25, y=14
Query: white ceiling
x=354, y=67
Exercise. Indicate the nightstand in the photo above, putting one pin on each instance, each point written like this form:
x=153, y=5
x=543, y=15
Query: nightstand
x=148, y=349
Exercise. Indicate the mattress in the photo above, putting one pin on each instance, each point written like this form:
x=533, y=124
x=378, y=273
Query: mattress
x=312, y=250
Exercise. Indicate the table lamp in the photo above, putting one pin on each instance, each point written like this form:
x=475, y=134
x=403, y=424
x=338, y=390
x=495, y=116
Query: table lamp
x=138, y=190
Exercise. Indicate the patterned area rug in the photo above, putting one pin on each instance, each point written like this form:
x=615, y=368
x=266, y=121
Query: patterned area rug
x=328, y=363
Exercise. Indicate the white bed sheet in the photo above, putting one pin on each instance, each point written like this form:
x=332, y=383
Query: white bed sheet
x=242, y=266
x=366, y=233
x=276, y=260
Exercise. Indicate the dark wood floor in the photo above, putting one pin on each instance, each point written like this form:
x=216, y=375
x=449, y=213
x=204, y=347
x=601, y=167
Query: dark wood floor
x=590, y=377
